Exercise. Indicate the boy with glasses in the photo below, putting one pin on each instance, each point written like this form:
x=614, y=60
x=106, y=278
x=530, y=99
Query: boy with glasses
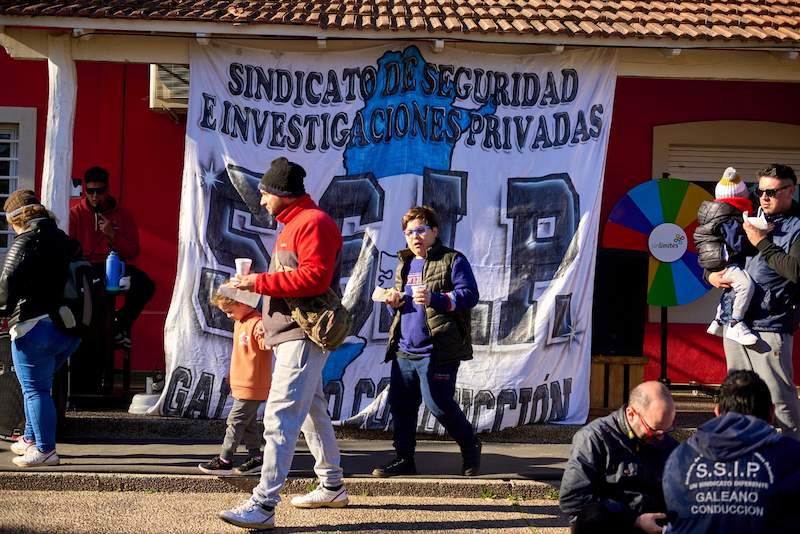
x=721, y=241
x=428, y=339
x=775, y=271
x=612, y=482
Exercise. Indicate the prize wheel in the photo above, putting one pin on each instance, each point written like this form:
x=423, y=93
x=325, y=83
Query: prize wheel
x=659, y=217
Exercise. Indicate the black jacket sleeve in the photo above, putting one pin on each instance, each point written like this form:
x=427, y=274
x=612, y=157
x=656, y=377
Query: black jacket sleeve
x=786, y=265
x=584, y=478
x=8, y=278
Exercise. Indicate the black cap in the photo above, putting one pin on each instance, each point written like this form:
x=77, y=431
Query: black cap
x=284, y=179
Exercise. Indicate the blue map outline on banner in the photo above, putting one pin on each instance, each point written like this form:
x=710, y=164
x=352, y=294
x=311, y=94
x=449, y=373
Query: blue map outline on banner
x=407, y=154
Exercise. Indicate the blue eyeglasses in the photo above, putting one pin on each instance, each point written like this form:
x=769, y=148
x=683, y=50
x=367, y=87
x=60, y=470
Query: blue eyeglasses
x=419, y=230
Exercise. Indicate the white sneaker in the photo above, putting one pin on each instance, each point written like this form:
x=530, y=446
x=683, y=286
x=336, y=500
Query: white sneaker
x=741, y=334
x=715, y=329
x=250, y=515
x=34, y=458
x=21, y=446
x=322, y=498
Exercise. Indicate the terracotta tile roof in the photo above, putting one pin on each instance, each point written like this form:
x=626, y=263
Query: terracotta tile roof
x=738, y=20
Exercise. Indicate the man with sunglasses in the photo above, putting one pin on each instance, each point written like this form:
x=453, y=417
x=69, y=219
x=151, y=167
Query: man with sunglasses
x=736, y=474
x=775, y=270
x=101, y=225
x=612, y=482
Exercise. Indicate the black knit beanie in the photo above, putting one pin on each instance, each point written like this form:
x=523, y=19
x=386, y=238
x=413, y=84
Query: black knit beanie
x=284, y=179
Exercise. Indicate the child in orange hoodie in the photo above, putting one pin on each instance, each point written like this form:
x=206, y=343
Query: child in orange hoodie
x=250, y=376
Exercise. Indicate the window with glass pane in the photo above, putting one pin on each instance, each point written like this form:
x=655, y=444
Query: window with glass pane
x=9, y=145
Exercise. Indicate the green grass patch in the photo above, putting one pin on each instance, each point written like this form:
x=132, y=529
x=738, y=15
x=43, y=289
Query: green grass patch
x=551, y=494
x=488, y=493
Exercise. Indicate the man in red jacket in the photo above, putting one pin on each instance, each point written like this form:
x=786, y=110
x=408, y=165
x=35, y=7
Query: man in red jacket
x=101, y=225
x=305, y=262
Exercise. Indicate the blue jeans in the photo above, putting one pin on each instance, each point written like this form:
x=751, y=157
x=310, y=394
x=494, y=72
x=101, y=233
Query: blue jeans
x=413, y=381
x=296, y=402
x=37, y=356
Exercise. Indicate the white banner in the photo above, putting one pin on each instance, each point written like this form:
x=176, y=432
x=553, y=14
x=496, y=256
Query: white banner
x=510, y=150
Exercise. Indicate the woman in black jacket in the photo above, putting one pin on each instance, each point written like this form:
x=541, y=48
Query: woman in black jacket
x=31, y=288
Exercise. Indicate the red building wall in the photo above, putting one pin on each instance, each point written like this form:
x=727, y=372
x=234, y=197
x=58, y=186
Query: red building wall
x=641, y=104
x=143, y=150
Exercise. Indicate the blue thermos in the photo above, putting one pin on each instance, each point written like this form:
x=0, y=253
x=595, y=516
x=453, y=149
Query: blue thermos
x=115, y=269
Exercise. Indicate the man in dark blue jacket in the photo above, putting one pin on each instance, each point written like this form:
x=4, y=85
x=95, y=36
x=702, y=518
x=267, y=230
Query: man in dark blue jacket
x=736, y=473
x=612, y=482
x=775, y=269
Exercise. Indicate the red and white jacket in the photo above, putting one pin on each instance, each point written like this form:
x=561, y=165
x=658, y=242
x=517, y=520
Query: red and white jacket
x=309, y=247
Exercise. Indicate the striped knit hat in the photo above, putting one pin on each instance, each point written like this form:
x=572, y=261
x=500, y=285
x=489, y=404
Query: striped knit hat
x=731, y=185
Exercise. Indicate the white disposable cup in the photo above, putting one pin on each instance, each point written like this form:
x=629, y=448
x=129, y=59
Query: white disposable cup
x=243, y=266
x=417, y=288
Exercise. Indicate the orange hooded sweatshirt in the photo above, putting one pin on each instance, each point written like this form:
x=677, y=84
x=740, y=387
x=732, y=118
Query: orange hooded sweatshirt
x=251, y=360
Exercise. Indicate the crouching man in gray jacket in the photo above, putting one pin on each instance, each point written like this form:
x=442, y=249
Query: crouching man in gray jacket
x=613, y=478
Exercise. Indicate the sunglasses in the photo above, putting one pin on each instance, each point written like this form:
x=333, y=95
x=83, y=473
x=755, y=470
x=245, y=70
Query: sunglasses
x=96, y=190
x=650, y=432
x=419, y=230
x=771, y=193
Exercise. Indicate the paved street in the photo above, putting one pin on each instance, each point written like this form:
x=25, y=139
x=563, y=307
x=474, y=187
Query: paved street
x=142, y=512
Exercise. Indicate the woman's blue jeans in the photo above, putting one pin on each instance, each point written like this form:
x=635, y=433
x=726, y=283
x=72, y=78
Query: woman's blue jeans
x=37, y=356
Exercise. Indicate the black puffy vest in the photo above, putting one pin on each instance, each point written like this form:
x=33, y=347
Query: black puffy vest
x=450, y=331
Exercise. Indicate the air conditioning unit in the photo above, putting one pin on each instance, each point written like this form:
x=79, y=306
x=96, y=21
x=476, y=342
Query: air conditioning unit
x=169, y=87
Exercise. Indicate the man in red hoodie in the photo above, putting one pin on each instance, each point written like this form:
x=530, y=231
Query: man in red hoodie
x=101, y=225
x=306, y=261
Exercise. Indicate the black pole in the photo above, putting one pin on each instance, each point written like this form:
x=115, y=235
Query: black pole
x=663, y=378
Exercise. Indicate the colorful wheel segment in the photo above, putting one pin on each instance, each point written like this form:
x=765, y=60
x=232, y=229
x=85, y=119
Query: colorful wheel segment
x=659, y=217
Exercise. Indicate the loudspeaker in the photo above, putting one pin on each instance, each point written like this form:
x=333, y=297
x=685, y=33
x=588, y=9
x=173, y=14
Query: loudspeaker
x=619, y=309
x=12, y=410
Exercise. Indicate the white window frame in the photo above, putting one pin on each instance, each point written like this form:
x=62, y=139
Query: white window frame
x=24, y=120
x=749, y=135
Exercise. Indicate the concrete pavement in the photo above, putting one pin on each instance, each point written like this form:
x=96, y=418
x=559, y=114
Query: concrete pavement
x=527, y=470
x=134, y=513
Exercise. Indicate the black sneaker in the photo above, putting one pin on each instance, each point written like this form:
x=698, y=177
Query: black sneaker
x=217, y=466
x=397, y=467
x=251, y=466
x=472, y=460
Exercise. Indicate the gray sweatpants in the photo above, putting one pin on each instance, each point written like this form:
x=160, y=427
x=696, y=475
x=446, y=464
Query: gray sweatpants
x=296, y=402
x=771, y=359
x=242, y=427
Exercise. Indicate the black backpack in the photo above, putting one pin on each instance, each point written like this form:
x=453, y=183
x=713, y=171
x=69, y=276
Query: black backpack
x=83, y=303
